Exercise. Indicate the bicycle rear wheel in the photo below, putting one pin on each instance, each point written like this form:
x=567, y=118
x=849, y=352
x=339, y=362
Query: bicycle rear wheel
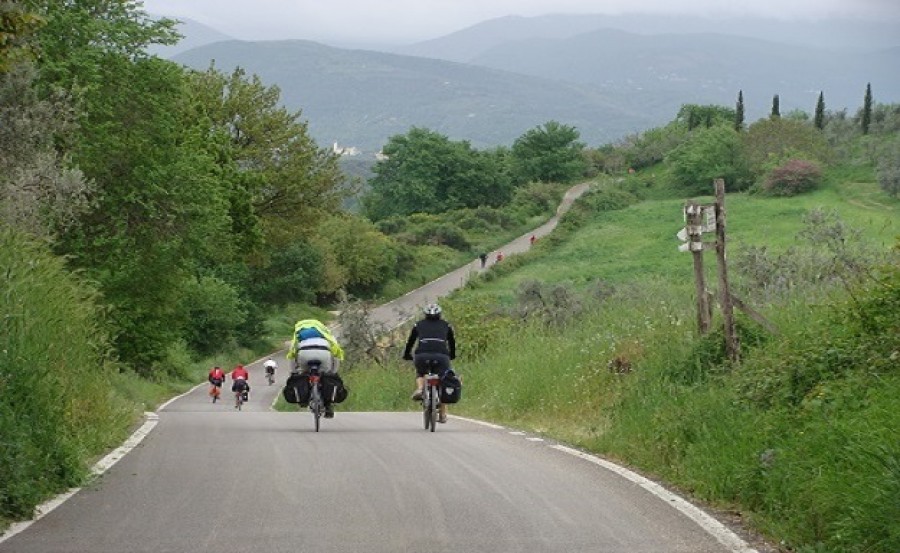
x=433, y=399
x=315, y=405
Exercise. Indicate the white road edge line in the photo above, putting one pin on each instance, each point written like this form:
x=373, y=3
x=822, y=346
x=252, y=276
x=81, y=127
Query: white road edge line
x=482, y=423
x=150, y=421
x=718, y=530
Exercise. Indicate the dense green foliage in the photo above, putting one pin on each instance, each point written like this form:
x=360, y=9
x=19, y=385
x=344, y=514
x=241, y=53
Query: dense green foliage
x=550, y=153
x=55, y=373
x=426, y=172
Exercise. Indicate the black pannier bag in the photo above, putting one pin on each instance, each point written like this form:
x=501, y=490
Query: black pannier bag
x=333, y=389
x=296, y=389
x=451, y=387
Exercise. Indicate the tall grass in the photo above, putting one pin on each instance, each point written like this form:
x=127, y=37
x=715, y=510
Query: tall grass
x=57, y=409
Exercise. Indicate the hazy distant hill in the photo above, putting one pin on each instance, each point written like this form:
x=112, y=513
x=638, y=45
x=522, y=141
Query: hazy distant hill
x=671, y=69
x=830, y=34
x=194, y=34
x=360, y=98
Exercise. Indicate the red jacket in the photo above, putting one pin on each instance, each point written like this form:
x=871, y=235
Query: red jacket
x=240, y=372
x=217, y=373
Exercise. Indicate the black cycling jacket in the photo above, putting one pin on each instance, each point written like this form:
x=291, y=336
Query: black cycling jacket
x=434, y=336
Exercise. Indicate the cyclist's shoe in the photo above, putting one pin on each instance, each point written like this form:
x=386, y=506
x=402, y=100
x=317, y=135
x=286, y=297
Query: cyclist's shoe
x=442, y=418
x=329, y=412
x=417, y=395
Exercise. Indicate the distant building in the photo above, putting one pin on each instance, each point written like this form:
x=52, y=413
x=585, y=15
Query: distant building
x=345, y=151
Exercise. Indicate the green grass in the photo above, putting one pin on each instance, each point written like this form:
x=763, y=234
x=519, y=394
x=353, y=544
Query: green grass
x=801, y=439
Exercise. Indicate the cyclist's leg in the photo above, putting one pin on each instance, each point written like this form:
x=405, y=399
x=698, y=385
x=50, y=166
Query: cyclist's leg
x=419, y=362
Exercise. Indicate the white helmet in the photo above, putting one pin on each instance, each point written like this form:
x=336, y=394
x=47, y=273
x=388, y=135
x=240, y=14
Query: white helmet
x=432, y=310
x=270, y=363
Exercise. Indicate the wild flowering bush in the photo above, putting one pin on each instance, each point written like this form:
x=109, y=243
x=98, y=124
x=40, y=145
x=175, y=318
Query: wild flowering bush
x=793, y=177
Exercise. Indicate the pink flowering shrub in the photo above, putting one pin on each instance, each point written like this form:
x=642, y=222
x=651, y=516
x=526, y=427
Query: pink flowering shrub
x=792, y=177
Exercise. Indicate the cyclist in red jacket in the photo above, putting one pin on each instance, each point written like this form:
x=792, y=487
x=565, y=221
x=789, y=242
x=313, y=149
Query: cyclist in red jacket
x=216, y=378
x=239, y=377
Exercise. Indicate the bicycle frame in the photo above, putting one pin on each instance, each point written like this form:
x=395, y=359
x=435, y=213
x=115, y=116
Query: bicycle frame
x=431, y=400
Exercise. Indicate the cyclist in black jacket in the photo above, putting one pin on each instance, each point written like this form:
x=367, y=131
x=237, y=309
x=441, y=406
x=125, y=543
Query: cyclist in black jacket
x=436, y=341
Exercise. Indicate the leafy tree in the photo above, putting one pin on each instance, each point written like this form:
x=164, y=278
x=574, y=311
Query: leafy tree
x=426, y=172
x=40, y=192
x=650, y=147
x=16, y=26
x=215, y=313
x=776, y=108
x=866, y=117
x=819, y=119
x=279, y=183
x=708, y=114
x=551, y=153
x=739, y=112
x=158, y=209
x=295, y=273
x=707, y=155
x=363, y=258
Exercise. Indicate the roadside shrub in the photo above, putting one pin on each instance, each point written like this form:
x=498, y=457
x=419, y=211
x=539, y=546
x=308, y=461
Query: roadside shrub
x=709, y=355
x=889, y=170
x=793, y=177
x=554, y=304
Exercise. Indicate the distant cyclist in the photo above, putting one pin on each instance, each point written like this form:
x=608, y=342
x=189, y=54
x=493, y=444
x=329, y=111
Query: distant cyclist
x=216, y=378
x=239, y=381
x=436, y=342
x=270, y=367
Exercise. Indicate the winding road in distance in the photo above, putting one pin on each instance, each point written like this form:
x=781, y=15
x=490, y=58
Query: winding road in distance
x=207, y=478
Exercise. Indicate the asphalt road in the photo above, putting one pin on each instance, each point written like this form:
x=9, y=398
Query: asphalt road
x=211, y=479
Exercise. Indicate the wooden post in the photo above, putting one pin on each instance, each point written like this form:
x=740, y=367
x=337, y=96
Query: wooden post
x=732, y=345
x=694, y=216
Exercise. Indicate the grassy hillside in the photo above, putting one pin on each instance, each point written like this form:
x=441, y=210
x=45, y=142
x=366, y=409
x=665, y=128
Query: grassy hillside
x=800, y=439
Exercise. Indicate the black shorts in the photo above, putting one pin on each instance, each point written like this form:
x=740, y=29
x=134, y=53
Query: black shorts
x=423, y=367
x=240, y=385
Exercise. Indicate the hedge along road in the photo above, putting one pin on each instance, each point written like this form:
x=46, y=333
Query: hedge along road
x=210, y=479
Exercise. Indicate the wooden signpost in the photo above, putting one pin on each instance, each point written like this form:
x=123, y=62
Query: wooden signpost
x=701, y=219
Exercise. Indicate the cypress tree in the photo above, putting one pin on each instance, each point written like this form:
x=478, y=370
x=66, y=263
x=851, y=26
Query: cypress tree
x=776, y=108
x=819, y=120
x=739, y=112
x=867, y=109
x=692, y=120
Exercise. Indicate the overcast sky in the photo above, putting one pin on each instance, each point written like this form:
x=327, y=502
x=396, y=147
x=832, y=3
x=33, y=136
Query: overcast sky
x=404, y=21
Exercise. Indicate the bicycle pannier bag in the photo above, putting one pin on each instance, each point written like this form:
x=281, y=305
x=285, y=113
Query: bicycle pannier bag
x=333, y=388
x=451, y=387
x=296, y=389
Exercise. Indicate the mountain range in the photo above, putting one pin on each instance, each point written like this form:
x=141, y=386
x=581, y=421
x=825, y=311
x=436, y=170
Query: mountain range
x=492, y=82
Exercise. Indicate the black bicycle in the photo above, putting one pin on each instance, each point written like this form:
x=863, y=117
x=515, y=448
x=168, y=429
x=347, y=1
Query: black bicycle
x=316, y=401
x=431, y=400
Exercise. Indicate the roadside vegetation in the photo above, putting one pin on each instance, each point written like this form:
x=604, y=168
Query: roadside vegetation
x=590, y=338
